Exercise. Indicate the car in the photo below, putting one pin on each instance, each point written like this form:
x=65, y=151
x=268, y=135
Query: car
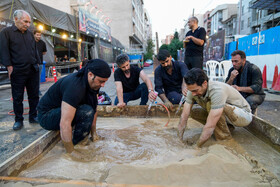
x=149, y=61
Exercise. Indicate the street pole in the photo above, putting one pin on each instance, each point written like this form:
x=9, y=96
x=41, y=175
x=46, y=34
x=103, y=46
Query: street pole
x=157, y=42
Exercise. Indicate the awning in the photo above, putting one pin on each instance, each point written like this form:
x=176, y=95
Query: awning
x=266, y=5
x=45, y=14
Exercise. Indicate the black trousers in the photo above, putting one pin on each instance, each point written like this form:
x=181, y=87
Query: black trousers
x=82, y=121
x=194, y=62
x=29, y=79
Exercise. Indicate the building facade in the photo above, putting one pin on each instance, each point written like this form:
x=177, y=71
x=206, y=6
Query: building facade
x=219, y=15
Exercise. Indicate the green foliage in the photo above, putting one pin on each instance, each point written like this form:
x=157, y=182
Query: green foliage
x=150, y=50
x=175, y=45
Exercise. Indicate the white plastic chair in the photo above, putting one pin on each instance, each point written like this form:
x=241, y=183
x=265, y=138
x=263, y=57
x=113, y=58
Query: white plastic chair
x=213, y=70
x=224, y=68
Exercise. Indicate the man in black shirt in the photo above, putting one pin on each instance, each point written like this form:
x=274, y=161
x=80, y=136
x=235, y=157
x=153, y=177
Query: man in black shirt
x=193, y=43
x=247, y=79
x=127, y=83
x=72, y=101
x=169, y=79
x=42, y=50
x=19, y=54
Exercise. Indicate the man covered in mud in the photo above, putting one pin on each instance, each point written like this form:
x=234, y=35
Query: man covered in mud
x=221, y=107
x=169, y=79
x=71, y=104
x=128, y=85
x=247, y=79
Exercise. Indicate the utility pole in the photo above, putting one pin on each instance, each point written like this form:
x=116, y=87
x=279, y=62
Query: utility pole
x=157, y=42
x=239, y=19
x=193, y=12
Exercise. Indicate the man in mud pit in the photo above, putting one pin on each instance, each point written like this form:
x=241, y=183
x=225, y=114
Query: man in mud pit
x=71, y=102
x=222, y=107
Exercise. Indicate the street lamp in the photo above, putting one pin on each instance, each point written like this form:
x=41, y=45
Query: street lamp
x=64, y=36
x=40, y=27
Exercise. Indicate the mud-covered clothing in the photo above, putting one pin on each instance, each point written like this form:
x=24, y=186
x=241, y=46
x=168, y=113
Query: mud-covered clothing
x=129, y=84
x=251, y=76
x=219, y=94
x=165, y=83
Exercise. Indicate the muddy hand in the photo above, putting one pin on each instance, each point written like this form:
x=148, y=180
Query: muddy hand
x=168, y=104
x=181, y=131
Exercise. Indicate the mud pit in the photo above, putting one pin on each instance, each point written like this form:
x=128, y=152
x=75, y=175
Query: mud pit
x=143, y=151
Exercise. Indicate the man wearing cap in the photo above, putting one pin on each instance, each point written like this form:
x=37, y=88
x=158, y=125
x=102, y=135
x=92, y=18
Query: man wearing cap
x=71, y=102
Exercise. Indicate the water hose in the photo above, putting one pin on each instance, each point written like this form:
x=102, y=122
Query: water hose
x=167, y=113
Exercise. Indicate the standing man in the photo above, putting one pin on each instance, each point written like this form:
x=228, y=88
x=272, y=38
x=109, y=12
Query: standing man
x=221, y=104
x=19, y=54
x=247, y=79
x=194, y=42
x=42, y=50
x=127, y=83
x=72, y=102
x=169, y=79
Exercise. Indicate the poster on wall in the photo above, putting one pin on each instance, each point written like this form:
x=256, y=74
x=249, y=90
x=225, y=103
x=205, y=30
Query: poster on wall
x=90, y=24
x=214, y=47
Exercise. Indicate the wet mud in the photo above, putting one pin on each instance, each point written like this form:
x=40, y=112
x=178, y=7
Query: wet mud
x=143, y=151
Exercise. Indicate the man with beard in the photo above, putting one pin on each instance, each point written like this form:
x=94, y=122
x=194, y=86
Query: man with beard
x=221, y=107
x=72, y=102
x=127, y=83
x=194, y=41
x=169, y=79
x=247, y=79
x=42, y=50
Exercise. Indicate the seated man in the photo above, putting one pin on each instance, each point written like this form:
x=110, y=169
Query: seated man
x=221, y=104
x=72, y=101
x=169, y=79
x=127, y=83
x=247, y=79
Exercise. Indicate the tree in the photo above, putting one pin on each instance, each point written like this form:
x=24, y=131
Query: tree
x=175, y=45
x=150, y=50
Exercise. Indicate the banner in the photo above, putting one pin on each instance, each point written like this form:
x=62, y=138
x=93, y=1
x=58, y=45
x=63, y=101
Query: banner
x=91, y=25
x=214, y=48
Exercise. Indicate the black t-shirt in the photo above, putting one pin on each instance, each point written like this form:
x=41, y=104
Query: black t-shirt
x=193, y=49
x=129, y=84
x=72, y=89
x=41, y=47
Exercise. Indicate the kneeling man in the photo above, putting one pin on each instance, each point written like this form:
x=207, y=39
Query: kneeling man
x=128, y=85
x=71, y=104
x=222, y=106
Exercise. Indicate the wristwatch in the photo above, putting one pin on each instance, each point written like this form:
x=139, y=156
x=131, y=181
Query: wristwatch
x=150, y=90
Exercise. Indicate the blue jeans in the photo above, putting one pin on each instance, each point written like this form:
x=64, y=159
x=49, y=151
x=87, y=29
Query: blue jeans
x=174, y=97
x=82, y=121
x=141, y=91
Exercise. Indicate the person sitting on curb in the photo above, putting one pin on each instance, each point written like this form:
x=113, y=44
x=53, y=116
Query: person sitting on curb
x=127, y=83
x=72, y=102
x=169, y=81
x=247, y=79
x=222, y=106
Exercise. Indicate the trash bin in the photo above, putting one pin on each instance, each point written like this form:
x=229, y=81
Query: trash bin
x=43, y=72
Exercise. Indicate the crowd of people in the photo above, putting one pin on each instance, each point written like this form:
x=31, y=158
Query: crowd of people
x=72, y=100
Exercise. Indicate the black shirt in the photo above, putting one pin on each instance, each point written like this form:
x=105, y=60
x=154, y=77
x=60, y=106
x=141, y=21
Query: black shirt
x=18, y=49
x=193, y=49
x=165, y=83
x=72, y=89
x=41, y=46
x=129, y=84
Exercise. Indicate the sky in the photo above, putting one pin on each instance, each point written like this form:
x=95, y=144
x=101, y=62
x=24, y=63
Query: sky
x=168, y=15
